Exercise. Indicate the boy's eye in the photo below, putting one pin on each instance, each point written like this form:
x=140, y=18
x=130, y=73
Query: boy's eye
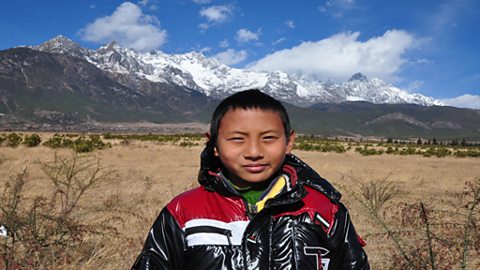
x=235, y=139
x=269, y=138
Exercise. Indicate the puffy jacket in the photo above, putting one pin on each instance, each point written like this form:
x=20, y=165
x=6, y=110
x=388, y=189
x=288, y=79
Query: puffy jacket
x=210, y=227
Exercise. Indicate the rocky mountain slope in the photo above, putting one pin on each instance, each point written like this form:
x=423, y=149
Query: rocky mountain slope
x=210, y=77
x=60, y=85
x=43, y=87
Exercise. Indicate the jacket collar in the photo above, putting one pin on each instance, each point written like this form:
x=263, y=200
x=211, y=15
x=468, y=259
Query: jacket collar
x=299, y=173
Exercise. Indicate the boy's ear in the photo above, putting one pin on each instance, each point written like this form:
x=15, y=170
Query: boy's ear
x=290, y=142
x=209, y=136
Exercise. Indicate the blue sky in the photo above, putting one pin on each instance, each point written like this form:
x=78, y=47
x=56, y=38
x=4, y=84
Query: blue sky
x=429, y=47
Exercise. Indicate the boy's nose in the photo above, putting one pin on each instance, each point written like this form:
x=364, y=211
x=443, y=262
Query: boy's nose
x=253, y=151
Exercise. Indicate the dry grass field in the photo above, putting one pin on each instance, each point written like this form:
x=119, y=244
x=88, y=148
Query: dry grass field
x=135, y=180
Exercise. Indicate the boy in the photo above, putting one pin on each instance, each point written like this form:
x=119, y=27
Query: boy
x=258, y=206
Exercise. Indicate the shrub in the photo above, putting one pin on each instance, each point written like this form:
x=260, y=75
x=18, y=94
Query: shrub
x=57, y=141
x=365, y=151
x=41, y=232
x=467, y=153
x=408, y=151
x=32, y=140
x=444, y=235
x=81, y=145
x=188, y=144
x=442, y=152
x=13, y=140
x=188, y=139
x=312, y=143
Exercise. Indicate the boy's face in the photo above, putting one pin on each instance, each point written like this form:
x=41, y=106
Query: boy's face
x=251, y=144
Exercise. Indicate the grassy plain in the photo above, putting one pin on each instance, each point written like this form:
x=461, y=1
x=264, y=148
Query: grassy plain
x=144, y=175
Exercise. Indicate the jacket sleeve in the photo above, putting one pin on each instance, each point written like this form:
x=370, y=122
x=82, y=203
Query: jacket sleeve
x=165, y=246
x=351, y=255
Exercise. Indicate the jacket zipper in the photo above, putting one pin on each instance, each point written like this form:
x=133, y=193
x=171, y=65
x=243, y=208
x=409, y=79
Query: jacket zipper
x=248, y=214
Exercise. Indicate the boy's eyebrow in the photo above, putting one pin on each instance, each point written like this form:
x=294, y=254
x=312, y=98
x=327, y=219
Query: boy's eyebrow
x=269, y=131
x=246, y=133
x=239, y=132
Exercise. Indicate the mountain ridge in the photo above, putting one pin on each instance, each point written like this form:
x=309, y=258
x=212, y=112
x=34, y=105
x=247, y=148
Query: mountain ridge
x=66, y=87
x=195, y=71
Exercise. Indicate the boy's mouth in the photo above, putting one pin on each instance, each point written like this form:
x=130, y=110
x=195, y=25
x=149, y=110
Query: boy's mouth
x=255, y=168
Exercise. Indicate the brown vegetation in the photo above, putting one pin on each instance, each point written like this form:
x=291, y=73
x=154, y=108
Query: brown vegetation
x=404, y=206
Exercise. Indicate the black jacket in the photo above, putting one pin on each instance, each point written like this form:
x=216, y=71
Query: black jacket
x=304, y=227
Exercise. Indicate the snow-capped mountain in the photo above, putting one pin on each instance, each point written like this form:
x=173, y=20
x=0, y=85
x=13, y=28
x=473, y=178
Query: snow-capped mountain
x=194, y=71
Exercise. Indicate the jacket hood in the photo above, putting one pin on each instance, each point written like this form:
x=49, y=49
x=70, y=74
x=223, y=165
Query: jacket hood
x=299, y=172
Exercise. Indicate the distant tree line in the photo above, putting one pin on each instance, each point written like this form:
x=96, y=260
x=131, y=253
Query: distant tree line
x=434, y=141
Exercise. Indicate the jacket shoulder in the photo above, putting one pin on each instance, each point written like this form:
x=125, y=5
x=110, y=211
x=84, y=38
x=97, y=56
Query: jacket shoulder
x=323, y=210
x=200, y=203
x=307, y=176
x=187, y=197
x=315, y=208
x=185, y=202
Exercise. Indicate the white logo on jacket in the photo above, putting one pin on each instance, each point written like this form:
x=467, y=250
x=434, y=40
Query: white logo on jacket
x=319, y=253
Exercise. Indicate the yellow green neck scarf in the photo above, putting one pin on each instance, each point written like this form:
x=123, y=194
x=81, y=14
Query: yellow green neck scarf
x=257, y=198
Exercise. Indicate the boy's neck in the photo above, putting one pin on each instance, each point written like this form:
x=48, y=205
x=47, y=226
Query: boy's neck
x=242, y=185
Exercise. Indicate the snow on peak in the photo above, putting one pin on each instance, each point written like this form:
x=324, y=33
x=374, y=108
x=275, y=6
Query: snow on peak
x=62, y=45
x=195, y=71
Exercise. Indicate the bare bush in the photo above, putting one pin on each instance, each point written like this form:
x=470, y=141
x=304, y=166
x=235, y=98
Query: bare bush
x=41, y=232
x=71, y=177
x=444, y=235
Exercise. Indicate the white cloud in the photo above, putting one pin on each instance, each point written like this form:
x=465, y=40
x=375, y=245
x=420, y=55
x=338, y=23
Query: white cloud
x=205, y=49
x=231, y=57
x=150, y=4
x=204, y=26
x=143, y=2
x=424, y=61
x=215, y=15
x=289, y=24
x=337, y=8
x=464, y=101
x=129, y=27
x=244, y=35
x=280, y=40
x=445, y=16
x=201, y=2
x=342, y=55
x=323, y=9
x=414, y=86
x=224, y=43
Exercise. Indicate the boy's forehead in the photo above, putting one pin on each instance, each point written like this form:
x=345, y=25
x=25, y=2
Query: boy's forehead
x=240, y=118
x=241, y=112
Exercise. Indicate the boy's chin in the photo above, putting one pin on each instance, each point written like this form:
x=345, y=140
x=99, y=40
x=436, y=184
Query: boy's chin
x=255, y=182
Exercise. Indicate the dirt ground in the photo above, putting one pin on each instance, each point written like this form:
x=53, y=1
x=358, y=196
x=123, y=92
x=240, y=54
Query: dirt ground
x=146, y=175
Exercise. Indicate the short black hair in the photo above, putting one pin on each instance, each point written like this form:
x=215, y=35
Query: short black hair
x=248, y=99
